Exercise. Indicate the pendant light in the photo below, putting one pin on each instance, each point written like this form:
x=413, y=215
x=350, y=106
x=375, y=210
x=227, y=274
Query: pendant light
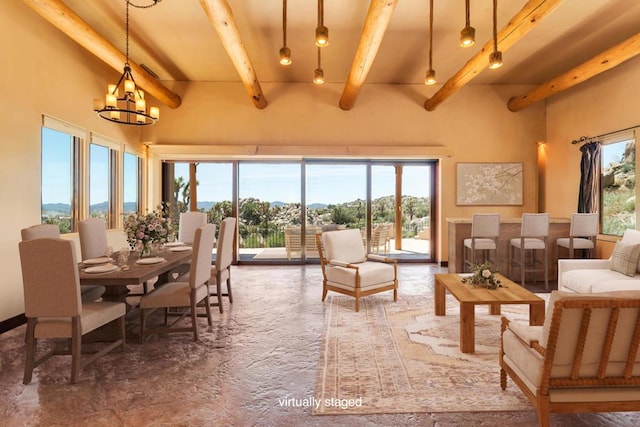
x=468, y=33
x=430, y=77
x=322, y=32
x=285, y=52
x=318, y=74
x=495, y=59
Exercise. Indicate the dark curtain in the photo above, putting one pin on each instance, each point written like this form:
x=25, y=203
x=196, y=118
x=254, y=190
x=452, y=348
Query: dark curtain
x=589, y=197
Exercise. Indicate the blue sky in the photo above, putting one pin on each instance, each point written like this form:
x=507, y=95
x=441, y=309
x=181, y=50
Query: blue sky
x=281, y=181
x=326, y=183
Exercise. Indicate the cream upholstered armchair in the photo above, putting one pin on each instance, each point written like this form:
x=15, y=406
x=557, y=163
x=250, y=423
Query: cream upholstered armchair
x=53, y=306
x=347, y=269
x=583, y=359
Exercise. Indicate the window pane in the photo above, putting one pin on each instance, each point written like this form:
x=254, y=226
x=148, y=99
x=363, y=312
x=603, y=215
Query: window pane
x=130, y=183
x=57, y=179
x=99, y=179
x=618, y=187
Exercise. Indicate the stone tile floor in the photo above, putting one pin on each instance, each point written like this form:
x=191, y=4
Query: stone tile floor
x=262, y=349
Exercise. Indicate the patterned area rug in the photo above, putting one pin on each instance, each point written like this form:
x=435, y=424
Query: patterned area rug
x=401, y=358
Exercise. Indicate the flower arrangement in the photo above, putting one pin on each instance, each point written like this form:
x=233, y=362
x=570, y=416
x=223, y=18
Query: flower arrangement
x=142, y=230
x=483, y=276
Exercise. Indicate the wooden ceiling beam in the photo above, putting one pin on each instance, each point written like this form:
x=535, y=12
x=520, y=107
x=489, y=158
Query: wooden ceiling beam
x=67, y=21
x=598, y=64
x=526, y=19
x=376, y=23
x=221, y=17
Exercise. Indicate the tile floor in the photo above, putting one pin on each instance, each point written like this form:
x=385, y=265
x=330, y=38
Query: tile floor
x=262, y=349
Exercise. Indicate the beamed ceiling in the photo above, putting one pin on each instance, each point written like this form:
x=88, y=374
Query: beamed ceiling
x=557, y=42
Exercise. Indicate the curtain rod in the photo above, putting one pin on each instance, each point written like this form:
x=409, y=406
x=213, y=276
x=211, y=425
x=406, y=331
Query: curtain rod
x=591, y=138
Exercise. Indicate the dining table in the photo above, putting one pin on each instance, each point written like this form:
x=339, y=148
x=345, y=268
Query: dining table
x=116, y=279
x=136, y=271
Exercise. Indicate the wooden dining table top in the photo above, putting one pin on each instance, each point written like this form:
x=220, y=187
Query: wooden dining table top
x=135, y=273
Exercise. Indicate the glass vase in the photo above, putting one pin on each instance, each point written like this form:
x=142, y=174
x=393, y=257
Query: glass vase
x=146, y=250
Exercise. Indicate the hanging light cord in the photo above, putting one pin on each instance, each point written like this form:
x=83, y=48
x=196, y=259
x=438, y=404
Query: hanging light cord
x=127, y=35
x=467, y=14
x=284, y=23
x=320, y=13
x=495, y=25
x=319, y=63
x=431, y=32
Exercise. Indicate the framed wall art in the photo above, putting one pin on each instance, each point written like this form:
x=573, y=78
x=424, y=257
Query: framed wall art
x=489, y=184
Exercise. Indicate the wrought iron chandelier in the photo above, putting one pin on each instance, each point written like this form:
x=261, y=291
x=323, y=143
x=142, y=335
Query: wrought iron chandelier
x=126, y=105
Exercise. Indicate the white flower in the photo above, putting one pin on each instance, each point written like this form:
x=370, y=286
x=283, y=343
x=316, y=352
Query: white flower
x=486, y=273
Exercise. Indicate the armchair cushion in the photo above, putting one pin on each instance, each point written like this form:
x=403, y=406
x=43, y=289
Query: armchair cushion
x=372, y=275
x=625, y=258
x=631, y=237
x=344, y=246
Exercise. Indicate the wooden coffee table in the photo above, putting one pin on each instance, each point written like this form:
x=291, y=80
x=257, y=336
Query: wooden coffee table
x=469, y=297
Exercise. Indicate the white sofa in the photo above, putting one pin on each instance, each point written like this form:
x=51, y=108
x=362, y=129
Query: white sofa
x=595, y=275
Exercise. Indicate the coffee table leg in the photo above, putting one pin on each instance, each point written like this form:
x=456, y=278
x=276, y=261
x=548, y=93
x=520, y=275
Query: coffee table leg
x=467, y=328
x=494, y=309
x=438, y=298
x=536, y=313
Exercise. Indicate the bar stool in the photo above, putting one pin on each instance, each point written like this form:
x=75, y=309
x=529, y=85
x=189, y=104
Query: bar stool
x=533, y=237
x=485, y=229
x=582, y=234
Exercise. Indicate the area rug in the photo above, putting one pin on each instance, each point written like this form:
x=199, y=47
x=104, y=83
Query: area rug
x=398, y=357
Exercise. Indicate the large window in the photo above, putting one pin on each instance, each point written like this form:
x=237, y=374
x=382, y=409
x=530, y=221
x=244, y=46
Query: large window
x=131, y=183
x=618, y=207
x=58, y=153
x=99, y=182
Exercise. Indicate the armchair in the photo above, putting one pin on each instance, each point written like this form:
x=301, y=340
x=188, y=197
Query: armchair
x=346, y=268
x=583, y=359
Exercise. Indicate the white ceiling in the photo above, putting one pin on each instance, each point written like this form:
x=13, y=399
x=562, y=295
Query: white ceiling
x=176, y=40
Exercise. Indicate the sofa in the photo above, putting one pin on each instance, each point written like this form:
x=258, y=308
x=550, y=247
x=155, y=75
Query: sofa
x=603, y=275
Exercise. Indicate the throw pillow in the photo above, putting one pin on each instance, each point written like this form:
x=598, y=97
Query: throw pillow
x=625, y=259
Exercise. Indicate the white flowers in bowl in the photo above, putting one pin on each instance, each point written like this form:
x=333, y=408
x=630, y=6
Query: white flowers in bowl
x=483, y=276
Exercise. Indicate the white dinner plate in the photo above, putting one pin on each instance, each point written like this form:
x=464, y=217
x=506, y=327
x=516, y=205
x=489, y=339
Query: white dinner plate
x=180, y=249
x=104, y=268
x=96, y=261
x=170, y=244
x=152, y=260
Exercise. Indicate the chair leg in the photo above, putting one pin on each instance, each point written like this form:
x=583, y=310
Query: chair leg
x=31, y=347
x=194, y=319
x=357, y=304
x=219, y=294
x=76, y=348
x=523, y=256
x=546, y=269
x=208, y=309
x=229, y=289
x=123, y=333
x=324, y=291
x=503, y=379
x=143, y=319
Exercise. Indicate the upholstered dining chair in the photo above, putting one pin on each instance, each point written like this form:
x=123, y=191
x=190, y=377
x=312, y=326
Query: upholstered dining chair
x=221, y=269
x=53, y=306
x=533, y=237
x=485, y=230
x=49, y=231
x=187, y=225
x=183, y=293
x=93, y=238
x=582, y=234
x=347, y=269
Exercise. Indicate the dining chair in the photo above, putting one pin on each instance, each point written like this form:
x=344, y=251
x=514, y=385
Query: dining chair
x=533, y=237
x=582, y=234
x=485, y=230
x=50, y=231
x=187, y=225
x=53, y=305
x=93, y=238
x=183, y=294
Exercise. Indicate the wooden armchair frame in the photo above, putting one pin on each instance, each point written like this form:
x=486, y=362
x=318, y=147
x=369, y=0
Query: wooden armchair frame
x=542, y=397
x=357, y=291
